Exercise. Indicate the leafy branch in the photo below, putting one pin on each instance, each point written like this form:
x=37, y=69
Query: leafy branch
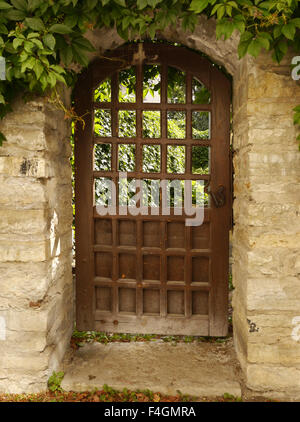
x=42, y=40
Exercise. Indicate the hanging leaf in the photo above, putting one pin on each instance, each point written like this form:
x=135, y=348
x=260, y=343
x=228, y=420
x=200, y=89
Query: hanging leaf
x=60, y=28
x=35, y=23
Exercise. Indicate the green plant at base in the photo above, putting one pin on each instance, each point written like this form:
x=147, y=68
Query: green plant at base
x=55, y=381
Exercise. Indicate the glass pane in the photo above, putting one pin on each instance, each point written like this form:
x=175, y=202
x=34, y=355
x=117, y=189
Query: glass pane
x=200, y=160
x=176, y=159
x=151, y=158
x=127, y=83
x=102, y=123
x=151, y=85
x=103, y=191
x=151, y=124
x=176, y=124
x=102, y=157
x=176, y=86
x=102, y=94
x=200, y=94
x=126, y=157
x=127, y=123
x=201, y=124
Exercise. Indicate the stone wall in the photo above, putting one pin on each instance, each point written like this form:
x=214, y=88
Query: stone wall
x=36, y=294
x=266, y=236
x=36, y=302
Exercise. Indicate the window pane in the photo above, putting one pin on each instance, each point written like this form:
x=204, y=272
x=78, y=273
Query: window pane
x=102, y=94
x=151, y=124
x=151, y=158
x=151, y=85
x=127, y=83
x=201, y=124
x=126, y=157
x=200, y=160
x=102, y=123
x=176, y=86
x=176, y=124
x=200, y=94
x=102, y=157
x=176, y=159
x=127, y=123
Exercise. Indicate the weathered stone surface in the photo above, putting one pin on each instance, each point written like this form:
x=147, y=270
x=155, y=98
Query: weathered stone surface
x=202, y=369
x=36, y=285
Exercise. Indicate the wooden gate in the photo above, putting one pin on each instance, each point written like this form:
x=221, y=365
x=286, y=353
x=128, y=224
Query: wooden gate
x=157, y=112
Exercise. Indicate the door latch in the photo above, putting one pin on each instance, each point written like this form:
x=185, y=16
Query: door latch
x=218, y=196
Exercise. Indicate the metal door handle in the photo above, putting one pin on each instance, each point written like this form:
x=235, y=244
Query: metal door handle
x=218, y=196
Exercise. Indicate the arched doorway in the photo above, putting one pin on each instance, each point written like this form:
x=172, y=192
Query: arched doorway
x=158, y=113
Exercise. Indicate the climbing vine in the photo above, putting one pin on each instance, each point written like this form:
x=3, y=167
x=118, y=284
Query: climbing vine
x=41, y=40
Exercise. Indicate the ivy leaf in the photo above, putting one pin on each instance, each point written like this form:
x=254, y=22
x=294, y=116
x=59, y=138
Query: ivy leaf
x=121, y=2
x=20, y=4
x=289, y=30
x=153, y=3
x=254, y=47
x=277, y=31
x=33, y=35
x=66, y=55
x=15, y=15
x=282, y=45
x=34, y=4
x=198, y=5
x=3, y=29
x=35, y=23
x=60, y=28
x=245, y=40
x=296, y=22
x=49, y=41
x=83, y=44
x=91, y=4
x=79, y=55
x=2, y=138
x=38, y=43
x=4, y=6
x=225, y=27
x=38, y=69
x=55, y=8
x=71, y=21
x=17, y=42
x=277, y=54
x=141, y=4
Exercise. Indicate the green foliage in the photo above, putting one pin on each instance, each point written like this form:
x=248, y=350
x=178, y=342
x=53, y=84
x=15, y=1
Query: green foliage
x=41, y=40
x=55, y=381
x=229, y=397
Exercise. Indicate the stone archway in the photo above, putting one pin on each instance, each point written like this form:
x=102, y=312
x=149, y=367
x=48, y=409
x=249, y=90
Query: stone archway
x=36, y=290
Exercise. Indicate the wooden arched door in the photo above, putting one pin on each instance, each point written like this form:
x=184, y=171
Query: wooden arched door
x=157, y=112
